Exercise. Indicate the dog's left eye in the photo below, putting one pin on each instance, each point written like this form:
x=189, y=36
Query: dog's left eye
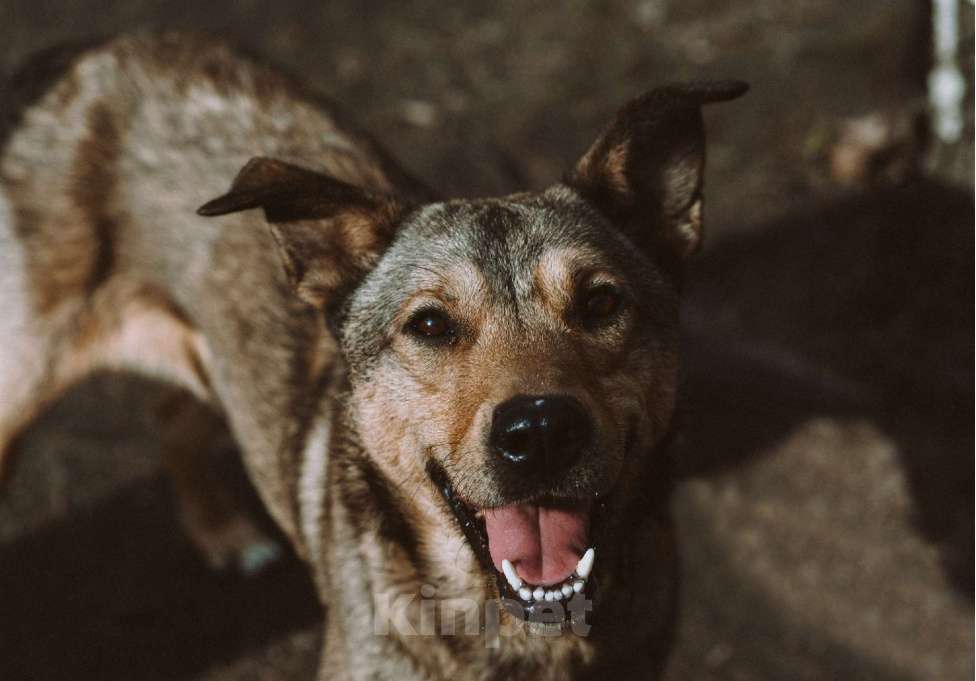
x=599, y=305
x=432, y=325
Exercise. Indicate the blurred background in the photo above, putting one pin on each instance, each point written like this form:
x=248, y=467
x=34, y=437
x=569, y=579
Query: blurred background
x=825, y=494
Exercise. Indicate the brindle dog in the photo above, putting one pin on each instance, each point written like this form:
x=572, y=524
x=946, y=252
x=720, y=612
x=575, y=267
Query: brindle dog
x=445, y=405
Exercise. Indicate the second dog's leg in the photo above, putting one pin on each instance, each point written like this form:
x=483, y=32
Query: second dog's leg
x=191, y=436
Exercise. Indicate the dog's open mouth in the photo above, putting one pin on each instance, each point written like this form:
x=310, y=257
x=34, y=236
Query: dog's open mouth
x=541, y=549
x=540, y=553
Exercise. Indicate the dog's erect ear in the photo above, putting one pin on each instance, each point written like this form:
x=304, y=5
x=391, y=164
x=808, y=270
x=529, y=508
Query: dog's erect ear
x=329, y=233
x=645, y=170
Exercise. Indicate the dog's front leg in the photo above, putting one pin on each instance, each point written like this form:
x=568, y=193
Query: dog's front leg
x=191, y=434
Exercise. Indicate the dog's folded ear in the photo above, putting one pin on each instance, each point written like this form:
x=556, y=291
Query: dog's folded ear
x=645, y=170
x=329, y=233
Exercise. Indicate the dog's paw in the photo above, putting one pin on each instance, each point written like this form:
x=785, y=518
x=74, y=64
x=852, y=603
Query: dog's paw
x=235, y=545
x=257, y=556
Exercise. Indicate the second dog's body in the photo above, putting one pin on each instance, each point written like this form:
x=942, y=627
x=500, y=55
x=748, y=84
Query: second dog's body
x=421, y=391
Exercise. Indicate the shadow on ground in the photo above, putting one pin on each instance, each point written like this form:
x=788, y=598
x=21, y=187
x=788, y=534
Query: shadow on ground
x=861, y=308
x=116, y=592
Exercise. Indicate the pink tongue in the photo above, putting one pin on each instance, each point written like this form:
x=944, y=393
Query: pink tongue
x=543, y=543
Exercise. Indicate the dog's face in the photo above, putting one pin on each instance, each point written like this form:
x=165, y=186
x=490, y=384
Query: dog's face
x=512, y=361
x=520, y=346
x=517, y=352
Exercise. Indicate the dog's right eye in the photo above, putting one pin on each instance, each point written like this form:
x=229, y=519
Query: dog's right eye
x=431, y=325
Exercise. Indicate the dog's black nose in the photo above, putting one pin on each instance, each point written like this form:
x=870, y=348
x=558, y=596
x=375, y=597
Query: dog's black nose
x=540, y=433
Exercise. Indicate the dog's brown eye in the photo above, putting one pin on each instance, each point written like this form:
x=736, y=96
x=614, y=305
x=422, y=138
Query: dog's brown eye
x=599, y=305
x=431, y=325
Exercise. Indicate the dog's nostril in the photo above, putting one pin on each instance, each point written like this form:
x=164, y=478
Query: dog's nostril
x=540, y=432
x=516, y=440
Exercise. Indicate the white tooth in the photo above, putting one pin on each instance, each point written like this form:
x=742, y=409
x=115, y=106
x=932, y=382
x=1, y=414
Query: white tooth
x=513, y=579
x=557, y=595
x=585, y=563
x=549, y=596
x=539, y=593
x=567, y=590
x=525, y=593
x=578, y=585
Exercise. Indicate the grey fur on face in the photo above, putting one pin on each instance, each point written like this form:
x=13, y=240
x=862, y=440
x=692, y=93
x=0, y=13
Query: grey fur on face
x=503, y=239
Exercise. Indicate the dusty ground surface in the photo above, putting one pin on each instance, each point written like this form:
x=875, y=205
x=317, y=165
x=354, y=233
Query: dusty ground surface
x=826, y=499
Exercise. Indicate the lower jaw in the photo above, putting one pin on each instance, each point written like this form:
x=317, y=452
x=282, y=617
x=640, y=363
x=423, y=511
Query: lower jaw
x=571, y=610
x=561, y=615
x=548, y=604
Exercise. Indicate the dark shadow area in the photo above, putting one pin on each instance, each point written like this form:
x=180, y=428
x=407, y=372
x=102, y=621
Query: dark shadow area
x=741, y=396
x=860, y=308
x=116, y=592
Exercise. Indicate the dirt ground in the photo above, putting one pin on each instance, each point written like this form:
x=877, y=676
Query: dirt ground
x=826, y=493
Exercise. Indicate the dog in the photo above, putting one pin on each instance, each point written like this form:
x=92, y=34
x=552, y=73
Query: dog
x=457, y=411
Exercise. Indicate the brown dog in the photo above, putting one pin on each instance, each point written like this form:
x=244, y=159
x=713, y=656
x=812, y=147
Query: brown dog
x=455, y=410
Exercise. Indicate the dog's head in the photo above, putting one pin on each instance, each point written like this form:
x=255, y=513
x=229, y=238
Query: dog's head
x=511, y=360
